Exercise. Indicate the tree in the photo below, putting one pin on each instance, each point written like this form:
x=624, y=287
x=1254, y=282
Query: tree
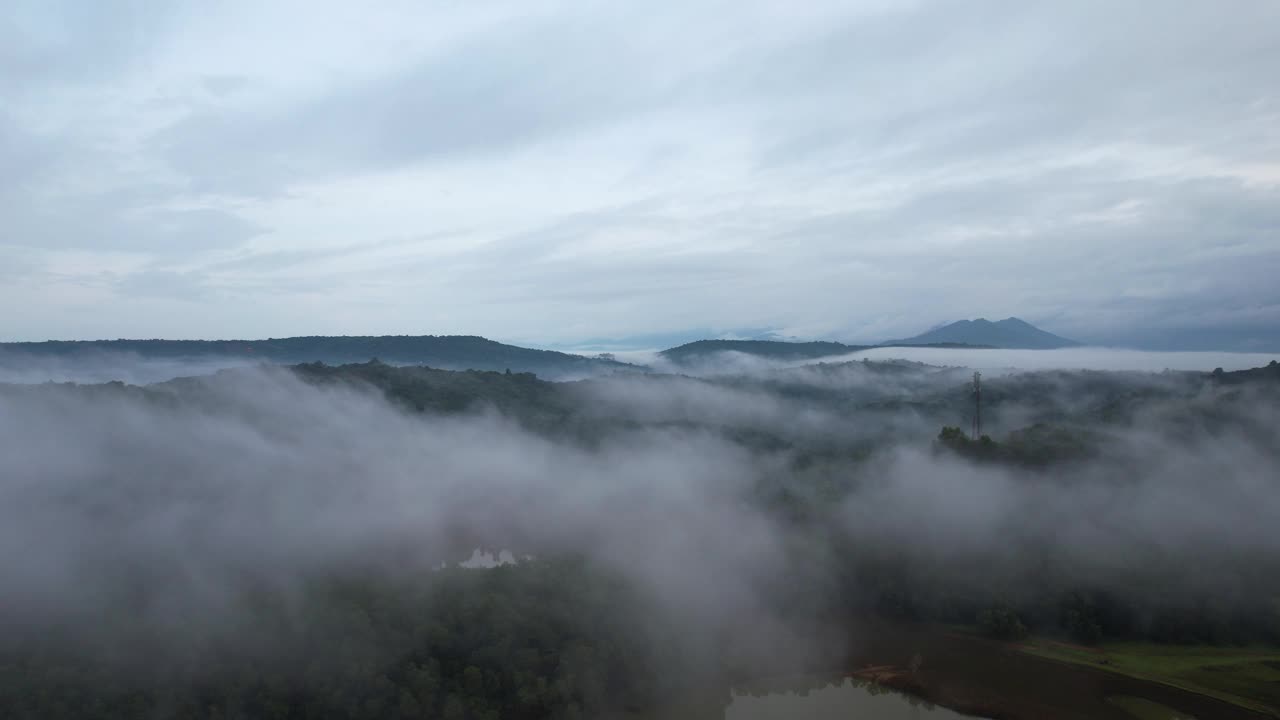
x=1002, y=623
x=454, y=708
x=953, y=438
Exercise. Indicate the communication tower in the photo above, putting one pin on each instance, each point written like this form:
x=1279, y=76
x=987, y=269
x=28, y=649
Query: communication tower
x=977, y=405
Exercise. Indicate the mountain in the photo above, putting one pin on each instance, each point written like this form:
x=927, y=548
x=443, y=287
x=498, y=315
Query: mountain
x=1010, y=333
x=453, y=352
x=771, y=349
x=1268, y=373
x=650, y=341
x=703, y=350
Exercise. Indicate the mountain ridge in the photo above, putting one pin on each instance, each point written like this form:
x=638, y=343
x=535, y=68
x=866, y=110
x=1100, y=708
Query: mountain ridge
x=785, y=350
x=450, y=352
x=1012, y=333
x=774, y=349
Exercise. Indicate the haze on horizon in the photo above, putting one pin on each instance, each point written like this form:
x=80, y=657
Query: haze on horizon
x=550, y=173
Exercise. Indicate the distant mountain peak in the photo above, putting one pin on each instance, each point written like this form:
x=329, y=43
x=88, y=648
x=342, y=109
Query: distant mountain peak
x=1017, y=322
x=1011, y=333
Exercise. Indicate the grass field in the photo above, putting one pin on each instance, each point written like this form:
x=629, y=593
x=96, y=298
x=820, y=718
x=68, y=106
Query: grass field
x=1248, y=677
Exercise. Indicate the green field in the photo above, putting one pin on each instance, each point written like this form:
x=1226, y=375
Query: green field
x=1245, y=676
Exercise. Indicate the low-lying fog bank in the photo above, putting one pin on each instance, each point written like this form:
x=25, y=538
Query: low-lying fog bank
x=1084, y=358
x=254, y=517
x=107, y=366
x=986, y=360
x=101, y=367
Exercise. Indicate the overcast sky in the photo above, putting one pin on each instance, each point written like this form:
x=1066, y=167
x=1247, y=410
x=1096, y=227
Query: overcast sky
x=546, y=172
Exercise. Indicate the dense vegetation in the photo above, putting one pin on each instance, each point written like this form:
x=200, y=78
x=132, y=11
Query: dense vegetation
x=539, y=639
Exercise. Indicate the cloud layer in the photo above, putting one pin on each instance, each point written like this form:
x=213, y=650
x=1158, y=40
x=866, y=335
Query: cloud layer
x=168, y=512
x=565, y=171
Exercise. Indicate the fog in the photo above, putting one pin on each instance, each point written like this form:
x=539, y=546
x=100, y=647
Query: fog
x=107, y=366
x=172, y=511
x=1148, y=525
x=999, y=361
x=175, y=507
x=1083, y=358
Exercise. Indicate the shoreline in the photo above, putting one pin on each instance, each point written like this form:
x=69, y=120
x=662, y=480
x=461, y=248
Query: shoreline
x=987, y=678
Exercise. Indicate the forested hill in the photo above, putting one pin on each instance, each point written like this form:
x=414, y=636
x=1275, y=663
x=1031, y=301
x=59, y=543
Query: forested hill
x=772, y=349
x=456, y=352
x=1267, y=373
x=706, y=350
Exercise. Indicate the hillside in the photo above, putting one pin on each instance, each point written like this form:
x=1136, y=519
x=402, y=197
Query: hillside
x=770, y=349
x=702, y=351
x=455, y=352
x=1010, y=333
x=1267, y=373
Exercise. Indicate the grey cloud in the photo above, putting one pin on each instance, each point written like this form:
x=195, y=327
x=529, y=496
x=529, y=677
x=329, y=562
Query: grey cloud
x=60, y=43
x=166, y=284
x=122, y=221
x=200, y=228
x=221, y=85
x=520, y=83
x=15, y=266
x=1046, y=245
x=24, y=156
x=938, y=83
x=258, y=262
x=986, y=151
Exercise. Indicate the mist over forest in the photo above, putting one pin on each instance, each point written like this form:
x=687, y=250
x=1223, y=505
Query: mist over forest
x=285, y=541
x=699, y=360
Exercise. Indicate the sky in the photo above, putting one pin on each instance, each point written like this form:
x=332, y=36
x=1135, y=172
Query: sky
x=551, y=172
